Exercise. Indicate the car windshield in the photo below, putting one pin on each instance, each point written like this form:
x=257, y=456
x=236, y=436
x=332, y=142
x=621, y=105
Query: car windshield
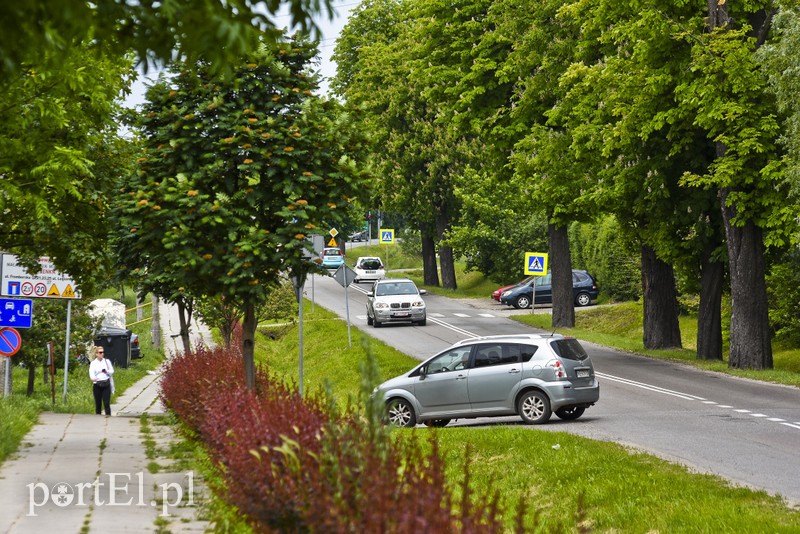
x=396, y=288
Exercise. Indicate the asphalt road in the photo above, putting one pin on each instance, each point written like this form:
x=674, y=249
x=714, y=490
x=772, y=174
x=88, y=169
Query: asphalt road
x=745, y=431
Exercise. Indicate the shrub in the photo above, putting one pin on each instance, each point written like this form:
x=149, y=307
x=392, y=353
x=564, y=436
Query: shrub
x=600, y=248
x=783, y=288
x=291, y=464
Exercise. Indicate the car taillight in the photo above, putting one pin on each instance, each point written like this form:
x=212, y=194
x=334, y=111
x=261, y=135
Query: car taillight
x=136, y=342
x=558, y=369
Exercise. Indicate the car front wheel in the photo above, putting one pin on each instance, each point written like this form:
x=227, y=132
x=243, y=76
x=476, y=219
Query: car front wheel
x=534, y=407
x=369, y=319
x=522, y=302
x=583, y=299
x=399, y=412
x=570, y=413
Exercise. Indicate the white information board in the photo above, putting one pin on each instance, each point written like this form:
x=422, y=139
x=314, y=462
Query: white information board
x=48, y=283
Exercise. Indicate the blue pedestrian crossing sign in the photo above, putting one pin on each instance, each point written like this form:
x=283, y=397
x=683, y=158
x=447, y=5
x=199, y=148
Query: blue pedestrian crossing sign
x=387, y=236
x=536, y=263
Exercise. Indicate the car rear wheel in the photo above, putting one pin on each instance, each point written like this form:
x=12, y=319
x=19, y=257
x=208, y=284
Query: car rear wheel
x=534, y=407
x=583, y=299
x=436, y=423
x=399, y=412
x=570, y=413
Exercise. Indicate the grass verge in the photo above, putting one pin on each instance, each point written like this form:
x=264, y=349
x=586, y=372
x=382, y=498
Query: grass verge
x=568, y=481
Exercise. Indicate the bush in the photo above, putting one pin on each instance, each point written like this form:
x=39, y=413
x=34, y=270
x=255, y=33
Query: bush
x=292, y=464
x=783, y=288
x=600, y=248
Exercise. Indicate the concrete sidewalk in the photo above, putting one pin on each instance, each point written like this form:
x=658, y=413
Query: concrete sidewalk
x=89, y=473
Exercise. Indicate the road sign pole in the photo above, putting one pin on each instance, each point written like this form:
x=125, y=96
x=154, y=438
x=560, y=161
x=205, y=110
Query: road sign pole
x=7, y=381
x=300, y=337
x=66, y=349
x=347, y=313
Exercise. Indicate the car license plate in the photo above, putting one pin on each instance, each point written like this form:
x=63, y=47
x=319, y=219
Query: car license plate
x=370, y=272
x=400, y=314
x=582, y=373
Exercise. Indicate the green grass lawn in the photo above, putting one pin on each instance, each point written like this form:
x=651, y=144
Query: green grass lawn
x=570, y=482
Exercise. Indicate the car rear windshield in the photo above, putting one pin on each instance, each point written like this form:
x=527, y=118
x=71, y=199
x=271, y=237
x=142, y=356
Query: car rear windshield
x=371, y=264
x=333, y=252
x=569, y=349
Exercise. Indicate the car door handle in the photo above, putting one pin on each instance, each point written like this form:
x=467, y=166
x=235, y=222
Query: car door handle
x=513, y=371
x=461, y=377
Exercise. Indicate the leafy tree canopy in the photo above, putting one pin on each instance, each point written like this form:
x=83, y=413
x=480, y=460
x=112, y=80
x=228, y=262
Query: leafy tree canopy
x=157, y=31
x=59, y=154
x=235, y=175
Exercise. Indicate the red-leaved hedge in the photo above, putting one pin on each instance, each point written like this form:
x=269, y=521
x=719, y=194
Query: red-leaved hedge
x=290, y=465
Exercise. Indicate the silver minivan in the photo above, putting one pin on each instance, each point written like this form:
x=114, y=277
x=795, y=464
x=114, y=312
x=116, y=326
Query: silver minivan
x=530, y=375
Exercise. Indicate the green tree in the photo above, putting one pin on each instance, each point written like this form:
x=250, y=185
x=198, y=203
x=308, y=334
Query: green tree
x=740, y=118
x=59, y=155
x=234, y=175
x=157, y=31
x=419, y=157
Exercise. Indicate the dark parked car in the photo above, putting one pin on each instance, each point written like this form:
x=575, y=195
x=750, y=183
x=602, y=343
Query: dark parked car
x=497, y=293
x=584, y=290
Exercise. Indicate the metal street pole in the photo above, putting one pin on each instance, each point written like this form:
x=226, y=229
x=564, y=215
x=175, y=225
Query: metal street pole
x=66, y=348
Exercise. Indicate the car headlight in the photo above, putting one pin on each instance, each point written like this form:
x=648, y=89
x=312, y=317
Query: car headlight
x=506, y=293
x=418, y=304
x=381, y=305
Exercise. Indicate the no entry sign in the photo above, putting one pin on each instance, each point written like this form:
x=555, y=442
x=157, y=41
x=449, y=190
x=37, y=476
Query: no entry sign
x=10, y=341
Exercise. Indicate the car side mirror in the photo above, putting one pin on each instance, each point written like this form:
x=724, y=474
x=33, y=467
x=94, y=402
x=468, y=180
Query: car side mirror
x=423, y=291
x=422, y=373
x=370, y=293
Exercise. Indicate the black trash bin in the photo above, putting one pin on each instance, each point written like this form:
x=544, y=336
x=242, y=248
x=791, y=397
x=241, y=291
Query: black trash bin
x=117, y=345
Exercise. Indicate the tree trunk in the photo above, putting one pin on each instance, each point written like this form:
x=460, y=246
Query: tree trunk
x=185, y=320
x=430, y=269
x=155, y=324
x=249, y=325
x=709, y=316
x=448, y=268
x=139, y=308
x=661, y=327
x=446, y=259
x=31, y=379
x=561, y=267
x=751, y=344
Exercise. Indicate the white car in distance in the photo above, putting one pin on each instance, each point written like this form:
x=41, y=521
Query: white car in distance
x=369, y=269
